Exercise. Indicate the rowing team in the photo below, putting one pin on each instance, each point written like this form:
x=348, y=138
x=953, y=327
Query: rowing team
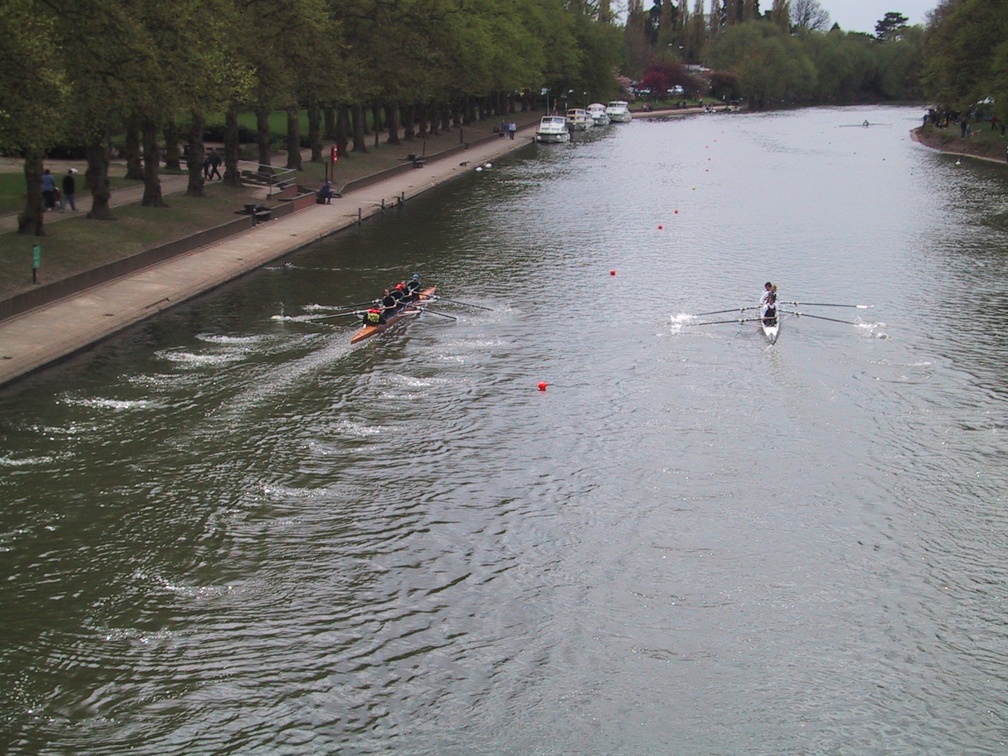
x=395, y=299
x=768, y=304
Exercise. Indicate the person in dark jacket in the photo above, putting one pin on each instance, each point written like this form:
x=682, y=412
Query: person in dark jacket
x=69, y=191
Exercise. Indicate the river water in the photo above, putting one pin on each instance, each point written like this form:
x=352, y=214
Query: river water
x=227, y=531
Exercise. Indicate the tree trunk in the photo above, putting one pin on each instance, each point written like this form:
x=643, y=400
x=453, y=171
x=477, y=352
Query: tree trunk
x=134, y=168
x=329, y=116
x=392, y=114
x=172, y=157
x=408, y=122
x=376, y=116
x=194, y=160
x=340, y=133
x=97, y=175
x=263, y=135
x=315, y=129
x=357, y=118
x=293, y=138
x=30, y=221
x=232, y=148
x=152, y=164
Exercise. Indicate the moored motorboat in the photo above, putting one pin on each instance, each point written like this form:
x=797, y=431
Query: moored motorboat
x=619, y=111
x=407, y=310
x=552, y=129
x=579, y=120
x=597, y=112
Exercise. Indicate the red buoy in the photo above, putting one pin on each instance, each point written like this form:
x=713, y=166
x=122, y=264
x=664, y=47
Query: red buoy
x=542, y=385
x=660, y=227
x=612, y=272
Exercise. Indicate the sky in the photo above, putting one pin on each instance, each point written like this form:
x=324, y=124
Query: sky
x=862, y=15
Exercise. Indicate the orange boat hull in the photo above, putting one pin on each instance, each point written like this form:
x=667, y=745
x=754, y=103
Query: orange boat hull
x=368, y=331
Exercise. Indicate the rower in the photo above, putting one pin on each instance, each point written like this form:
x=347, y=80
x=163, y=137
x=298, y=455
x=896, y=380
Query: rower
x=770, y=308
x=413, y=288
x=389, y=304
x=767, y=288
x=373, y=316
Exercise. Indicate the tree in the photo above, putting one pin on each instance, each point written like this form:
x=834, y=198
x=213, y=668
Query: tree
x=809, y=16
x=965, y=51
x=772, y=67
x=891, y=27
x=31, y=117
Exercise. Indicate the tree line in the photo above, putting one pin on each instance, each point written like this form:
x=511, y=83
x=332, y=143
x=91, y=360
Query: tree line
x=80, y=73
x=156, y=74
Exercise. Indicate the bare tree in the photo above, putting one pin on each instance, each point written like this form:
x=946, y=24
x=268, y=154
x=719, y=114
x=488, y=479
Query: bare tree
x=809, y=15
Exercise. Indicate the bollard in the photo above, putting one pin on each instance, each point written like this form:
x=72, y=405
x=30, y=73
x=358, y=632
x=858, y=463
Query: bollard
x=36, y=262
x=358, y=216
x=383, y=204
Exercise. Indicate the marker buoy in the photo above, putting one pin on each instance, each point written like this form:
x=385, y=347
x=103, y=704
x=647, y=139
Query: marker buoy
x=542, y=385
x=677, y=212
x=612, y=272
x=660, y=226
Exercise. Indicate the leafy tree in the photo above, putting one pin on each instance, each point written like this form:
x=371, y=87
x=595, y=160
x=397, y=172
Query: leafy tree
x=965, y=49
x=772, y=67
x=891, y=27
x=32, y=118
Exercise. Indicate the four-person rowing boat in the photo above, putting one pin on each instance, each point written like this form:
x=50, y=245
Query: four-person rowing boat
x=406, y=310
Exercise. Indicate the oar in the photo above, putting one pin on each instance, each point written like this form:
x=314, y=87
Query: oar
x=355, y=313
x=467, y=304
x=432, y=312
x=827, y=304
x=719, y=322
x=820, y=317
x=721, y=312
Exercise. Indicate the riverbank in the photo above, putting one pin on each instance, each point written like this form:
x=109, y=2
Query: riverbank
x=984, y=144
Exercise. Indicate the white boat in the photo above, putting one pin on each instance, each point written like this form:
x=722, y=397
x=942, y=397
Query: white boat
x=771, y=325
x=618, y=111
x=552, y=129
x=598, y=114
x=579, y=120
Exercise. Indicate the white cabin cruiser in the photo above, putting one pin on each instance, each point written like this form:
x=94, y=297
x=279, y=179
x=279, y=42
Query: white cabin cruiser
x=552, y=129
x=619, y=111
x=598, y=114
x=579, y=120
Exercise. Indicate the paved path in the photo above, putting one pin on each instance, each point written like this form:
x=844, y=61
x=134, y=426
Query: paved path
x=170, y=184
x=47, y=334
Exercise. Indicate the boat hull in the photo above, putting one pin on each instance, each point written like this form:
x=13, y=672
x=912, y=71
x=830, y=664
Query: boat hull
x=366, y=332
x=770, y=328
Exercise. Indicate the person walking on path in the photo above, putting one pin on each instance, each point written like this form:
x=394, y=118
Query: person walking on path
x=69, y=191
x=49, y=190
x=215, y=161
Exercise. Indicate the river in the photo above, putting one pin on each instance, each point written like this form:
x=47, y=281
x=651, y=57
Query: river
x=229, y=531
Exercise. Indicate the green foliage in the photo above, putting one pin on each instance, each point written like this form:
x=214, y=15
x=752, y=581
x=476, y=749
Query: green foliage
x=965, y=54
x=772, y=67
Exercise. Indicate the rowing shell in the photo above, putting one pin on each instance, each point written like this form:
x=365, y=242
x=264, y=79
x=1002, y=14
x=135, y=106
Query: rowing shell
x=408, y=310
x=771, y=327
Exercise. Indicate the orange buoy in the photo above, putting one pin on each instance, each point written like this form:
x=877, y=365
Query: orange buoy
x=542, y=385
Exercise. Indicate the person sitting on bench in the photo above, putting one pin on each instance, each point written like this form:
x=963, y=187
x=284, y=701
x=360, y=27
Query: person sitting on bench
x=325, y=194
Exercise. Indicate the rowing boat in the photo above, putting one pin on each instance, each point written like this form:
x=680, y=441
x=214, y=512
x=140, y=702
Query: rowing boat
x=770, y=326
x=409, y=309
